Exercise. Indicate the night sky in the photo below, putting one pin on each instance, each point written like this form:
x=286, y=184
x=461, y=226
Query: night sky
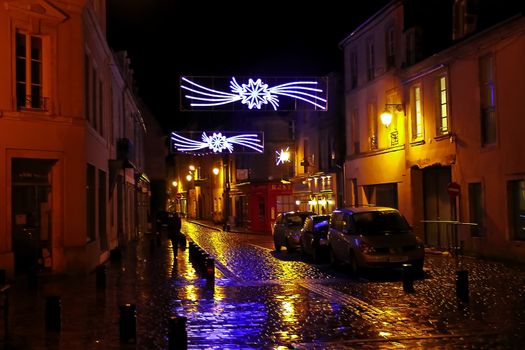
x=166, y=39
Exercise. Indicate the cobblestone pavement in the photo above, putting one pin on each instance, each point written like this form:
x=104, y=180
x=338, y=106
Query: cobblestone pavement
x=262, y=299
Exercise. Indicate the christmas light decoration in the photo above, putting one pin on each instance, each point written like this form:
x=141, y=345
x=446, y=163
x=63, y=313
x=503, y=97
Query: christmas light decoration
x=255, y=94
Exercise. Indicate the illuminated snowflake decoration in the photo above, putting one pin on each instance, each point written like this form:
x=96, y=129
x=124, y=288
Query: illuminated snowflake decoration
x=283, y=156
x=254, y=94
x=217, y=142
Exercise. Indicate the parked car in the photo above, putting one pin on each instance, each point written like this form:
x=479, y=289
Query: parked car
x=313, y=238
x=373, y=237
x=287, y=229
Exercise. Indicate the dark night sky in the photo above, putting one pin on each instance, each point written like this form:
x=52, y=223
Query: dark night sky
x=167, y=38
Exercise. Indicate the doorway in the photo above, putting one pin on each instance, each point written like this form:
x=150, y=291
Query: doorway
x=437, y=204
x=31, y=213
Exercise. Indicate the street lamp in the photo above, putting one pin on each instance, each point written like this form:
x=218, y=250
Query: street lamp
x=386, y=116
x=215, y=171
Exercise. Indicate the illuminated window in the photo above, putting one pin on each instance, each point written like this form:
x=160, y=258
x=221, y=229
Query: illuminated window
x=372, y=125
x=516, y=198
x=417, y=114
x=370, y=60
x=29, y=72
x=475, y=208
x=442, y=106
x=488, y=100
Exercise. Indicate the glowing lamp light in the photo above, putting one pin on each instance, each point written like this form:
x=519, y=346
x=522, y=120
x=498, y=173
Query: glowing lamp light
x=254, y=94
x=189, y=177
x=192, y=167
x=386, y=118
x=297, y=202
x=174, y=183
x=283, y=156
x=215, y=171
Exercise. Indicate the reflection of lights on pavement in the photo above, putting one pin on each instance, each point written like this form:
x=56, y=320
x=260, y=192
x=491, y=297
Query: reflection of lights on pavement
x=385, y=334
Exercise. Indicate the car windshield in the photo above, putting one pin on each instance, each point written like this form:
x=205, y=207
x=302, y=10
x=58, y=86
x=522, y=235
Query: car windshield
x=380, y=222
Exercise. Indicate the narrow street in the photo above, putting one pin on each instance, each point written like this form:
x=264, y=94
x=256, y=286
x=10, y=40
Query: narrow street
x=262, y=299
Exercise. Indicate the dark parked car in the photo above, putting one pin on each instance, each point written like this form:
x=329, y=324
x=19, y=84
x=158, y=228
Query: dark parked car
x=287, y=229
x=314, y=241
x=373, y=237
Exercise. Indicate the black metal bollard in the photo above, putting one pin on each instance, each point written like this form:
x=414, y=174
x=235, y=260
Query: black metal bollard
x=182, y=241
x=177, y=335
x=115, y=254
x=101, y=276
x=158, y=238
x=408, y=278
x=209, y=265
x=462, y=291
x=128, y=323
x=53, y=313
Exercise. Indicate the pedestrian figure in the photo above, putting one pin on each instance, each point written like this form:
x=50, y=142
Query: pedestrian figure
x=174, y=227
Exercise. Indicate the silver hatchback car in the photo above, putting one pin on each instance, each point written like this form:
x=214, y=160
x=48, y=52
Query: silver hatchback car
x=287, y=229
x=373, y=237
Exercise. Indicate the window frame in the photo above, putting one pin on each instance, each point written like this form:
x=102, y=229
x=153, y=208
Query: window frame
x=417, y=118
x=440, y=105
x=35, y=90
x=487, y=98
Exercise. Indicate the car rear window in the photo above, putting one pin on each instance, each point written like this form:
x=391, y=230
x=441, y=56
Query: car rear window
x=296, y=219
x=380, y=222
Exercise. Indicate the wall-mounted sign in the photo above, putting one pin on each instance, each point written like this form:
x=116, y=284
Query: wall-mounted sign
x=217, y=142
x=220, y=93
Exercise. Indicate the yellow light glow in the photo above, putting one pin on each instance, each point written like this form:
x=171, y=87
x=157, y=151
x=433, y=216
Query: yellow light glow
x=189, y=177
x=174, y=183
x=386, y=118
x=297, y=202
x=192, y=167
x=215, y=171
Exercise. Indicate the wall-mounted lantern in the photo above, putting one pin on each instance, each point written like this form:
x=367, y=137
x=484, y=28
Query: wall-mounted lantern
x=386, y=116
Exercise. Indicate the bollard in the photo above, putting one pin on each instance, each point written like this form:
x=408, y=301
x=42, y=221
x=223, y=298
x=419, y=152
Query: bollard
x=462, y=291
x=115, y=254
x=210, y=267
x=182, y=241
x=177, y=335
x=128, y=324
x=3, y=274
x=158, y=238
x=408, y=278
x=53, y=313
x=101, y=276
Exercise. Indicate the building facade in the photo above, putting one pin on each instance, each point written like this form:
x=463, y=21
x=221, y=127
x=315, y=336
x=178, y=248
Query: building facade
x=71, y=139
x=448, y=154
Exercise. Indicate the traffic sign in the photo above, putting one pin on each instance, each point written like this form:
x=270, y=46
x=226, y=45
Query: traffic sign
x=453, y=189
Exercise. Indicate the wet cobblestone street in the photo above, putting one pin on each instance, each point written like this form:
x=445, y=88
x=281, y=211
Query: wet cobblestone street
x=262, y=299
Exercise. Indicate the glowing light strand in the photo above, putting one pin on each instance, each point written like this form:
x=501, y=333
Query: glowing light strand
x=283, y=156
x=254, y=94
x=217, y=142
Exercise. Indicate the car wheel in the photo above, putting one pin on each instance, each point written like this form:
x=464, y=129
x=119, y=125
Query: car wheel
x=277, y=246
x=289, y=247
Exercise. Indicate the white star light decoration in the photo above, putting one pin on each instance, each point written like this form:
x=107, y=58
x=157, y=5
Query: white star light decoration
x=283, y=156
x=254, y=94
x=217, y=142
